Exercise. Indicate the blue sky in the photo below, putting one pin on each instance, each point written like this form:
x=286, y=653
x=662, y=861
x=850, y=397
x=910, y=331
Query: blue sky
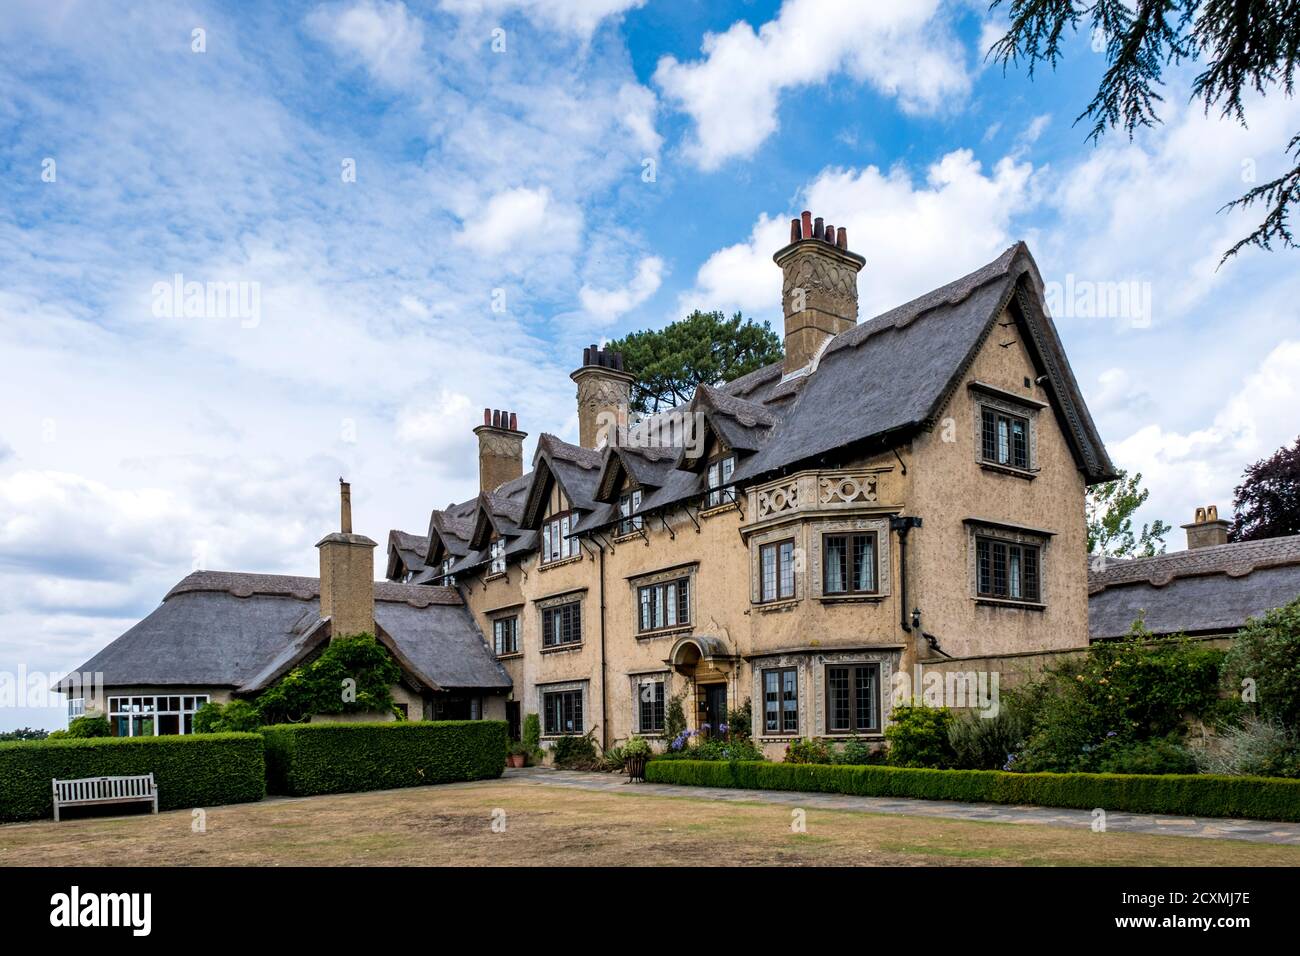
x=501, y=217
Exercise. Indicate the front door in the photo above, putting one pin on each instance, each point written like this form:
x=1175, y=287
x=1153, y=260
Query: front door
x=713, y=707
x=512, y=719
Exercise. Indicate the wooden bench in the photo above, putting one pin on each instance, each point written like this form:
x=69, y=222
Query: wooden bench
x=93, y=791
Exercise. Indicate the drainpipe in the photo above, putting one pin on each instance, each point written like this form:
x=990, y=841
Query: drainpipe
x=604, y=722
x=903, y=525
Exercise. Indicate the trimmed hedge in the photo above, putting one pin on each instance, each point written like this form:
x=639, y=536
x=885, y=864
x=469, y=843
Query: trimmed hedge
x=201, y=770
x=307, y=759
x=1263, y=798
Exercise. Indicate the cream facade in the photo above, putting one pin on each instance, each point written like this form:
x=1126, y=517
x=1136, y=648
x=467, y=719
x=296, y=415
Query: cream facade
x=811, y=548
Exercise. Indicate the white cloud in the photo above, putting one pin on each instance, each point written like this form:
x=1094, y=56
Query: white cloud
x=915, y=236
x=580, y=17
x=520, y=218
x=609, y=304
x=1200, y=466
x=382, y=35
x=733, y=93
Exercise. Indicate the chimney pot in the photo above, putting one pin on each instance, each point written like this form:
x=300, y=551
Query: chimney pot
x=496, y=418
x=514, y=422
x=829, y=307
x=487, y=416
x=345, y=507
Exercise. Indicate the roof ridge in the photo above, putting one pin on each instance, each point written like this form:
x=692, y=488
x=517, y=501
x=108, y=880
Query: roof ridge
x=246, y=584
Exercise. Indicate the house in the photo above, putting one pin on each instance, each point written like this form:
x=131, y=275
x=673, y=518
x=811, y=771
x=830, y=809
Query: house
x=893, y=493
x=220, y=635
x=1207, y=591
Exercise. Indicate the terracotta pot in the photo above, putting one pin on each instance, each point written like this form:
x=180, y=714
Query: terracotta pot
x=514, y=760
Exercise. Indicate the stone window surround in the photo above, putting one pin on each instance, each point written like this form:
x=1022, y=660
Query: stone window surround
x=1040, y=539
x=810, y=668
x=847, y=525
x=687, y=571
x=636, y=681
x=786, y=532
x=551, y=688
x=1028, y=409
x=571, y=596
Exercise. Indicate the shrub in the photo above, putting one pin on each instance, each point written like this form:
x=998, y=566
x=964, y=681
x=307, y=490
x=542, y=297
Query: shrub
x=674, y=718
x=190, y=771
x=985, y=743
x=532, y=735
x=1198, y=794
x=1133, y=690
x=306, y=759
x=1267, y=653
x=1254, y=748
x=740, y=720
x=812, y=750
x=918, y=736
x=1161, y=755
x=576, y=753
x=238, y=716
x=318, y=687
x=858, y=752
x=86, y=727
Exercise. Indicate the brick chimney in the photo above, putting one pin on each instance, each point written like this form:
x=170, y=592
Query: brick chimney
x=604, y=393
x=500, y=449
x=1208, y=529
x=347, y=575
x=819, y=287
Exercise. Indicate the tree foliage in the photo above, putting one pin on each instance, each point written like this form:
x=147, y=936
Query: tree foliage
x=1245, y=46
x=24, y=733
x=705, y=348
x=1110, y=509
x=1267, y=502
x=352, y=675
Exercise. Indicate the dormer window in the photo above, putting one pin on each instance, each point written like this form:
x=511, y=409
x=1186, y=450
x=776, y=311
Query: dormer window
x=627, y=507
x=556, y=543
x=719, y=479
x=448, y=579
x=497, y=554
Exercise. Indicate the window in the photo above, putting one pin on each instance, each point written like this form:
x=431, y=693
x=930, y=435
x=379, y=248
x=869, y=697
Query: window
x=849, y=563
x=562, y=624
x=448, y=579
x=76, y=707
x=153, y=716
x=852, y=698
x=650, y=707
x=497, y=552
x=776, y=571
x=505, y=635
x=562, y=712
x=781, y=700
x=556, y=543
x=1007, y=570
x=1005, y=439
x=664, y=605
x=627, y=506
x=719, y=475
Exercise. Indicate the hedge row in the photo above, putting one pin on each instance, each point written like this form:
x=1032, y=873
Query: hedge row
x=307, y=759
x=191, y=771
x=1262, y=798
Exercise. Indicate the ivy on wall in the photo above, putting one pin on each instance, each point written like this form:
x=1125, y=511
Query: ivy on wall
x=352, y=675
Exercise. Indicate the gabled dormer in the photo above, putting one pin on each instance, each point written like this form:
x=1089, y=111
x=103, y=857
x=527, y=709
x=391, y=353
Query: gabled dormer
x=561, y=491
x=727, y=430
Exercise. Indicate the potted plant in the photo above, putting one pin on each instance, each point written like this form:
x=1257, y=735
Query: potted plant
x=635, y=754
x=517, y=755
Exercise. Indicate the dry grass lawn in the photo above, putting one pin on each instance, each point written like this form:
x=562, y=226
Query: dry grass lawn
x=558, y=826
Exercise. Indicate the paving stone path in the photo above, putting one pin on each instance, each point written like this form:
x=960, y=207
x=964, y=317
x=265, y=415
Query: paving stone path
x=1255, y=831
